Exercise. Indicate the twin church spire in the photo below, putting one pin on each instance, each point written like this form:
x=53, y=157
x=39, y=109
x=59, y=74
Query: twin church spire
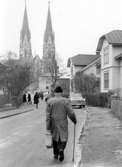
x=48, y=41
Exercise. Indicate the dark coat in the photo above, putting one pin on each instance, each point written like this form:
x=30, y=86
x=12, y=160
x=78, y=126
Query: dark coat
x=29, y=97
x=36, y=98
x=57, y=111
x=24, y=98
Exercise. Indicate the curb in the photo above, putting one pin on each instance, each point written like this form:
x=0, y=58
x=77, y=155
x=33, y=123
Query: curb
x=14, y=114
x=4, y=109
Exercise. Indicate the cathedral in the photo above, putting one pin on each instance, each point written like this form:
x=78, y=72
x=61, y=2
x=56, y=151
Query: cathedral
x=41, y=67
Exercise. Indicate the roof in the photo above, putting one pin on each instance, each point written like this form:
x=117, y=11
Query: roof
x=97, y=61
x=82, y=59
x=114, y=37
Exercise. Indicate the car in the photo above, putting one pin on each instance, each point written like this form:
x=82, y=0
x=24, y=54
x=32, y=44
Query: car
x=76, y=99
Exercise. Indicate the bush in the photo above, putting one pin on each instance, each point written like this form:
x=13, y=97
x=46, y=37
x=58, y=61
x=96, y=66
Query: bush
x=98, y=99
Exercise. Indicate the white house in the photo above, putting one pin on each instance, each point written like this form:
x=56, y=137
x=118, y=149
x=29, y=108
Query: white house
x=110, y=48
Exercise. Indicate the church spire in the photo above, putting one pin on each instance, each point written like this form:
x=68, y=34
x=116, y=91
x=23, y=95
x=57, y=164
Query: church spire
x=25, y=26
x=48, y=43
x=49, y=22
x=48, y=30
x=25, y=37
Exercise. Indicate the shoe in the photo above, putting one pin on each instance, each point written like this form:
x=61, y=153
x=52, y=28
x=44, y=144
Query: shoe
x=61, y=155
x=55, y=156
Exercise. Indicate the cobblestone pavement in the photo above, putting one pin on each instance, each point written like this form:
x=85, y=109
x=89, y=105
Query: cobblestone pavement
x=102, y=139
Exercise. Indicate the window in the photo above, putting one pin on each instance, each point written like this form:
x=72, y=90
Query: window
x=106, y=54
x=106, y=80
x=98, y=70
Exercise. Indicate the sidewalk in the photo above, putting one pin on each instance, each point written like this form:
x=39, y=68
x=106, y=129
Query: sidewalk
x=15, y=111
x=102, y=139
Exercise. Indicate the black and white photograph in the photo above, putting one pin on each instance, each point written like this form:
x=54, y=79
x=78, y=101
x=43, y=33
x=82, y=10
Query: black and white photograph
x=60, y=83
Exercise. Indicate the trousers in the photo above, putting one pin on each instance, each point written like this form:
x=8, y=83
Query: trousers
x=57, y=146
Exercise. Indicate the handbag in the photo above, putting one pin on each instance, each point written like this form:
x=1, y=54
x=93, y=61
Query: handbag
x=48, y=139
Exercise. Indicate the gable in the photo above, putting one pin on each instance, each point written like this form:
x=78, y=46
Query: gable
x=114, y=37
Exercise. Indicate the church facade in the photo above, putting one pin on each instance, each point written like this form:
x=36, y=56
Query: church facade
x=41, y=67
x=48, y=58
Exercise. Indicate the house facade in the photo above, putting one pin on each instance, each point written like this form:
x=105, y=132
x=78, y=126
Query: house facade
x=110, y=49
x=85, y=63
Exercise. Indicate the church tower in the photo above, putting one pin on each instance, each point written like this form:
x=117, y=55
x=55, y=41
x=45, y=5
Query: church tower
x=25, y=51
x=48, y=43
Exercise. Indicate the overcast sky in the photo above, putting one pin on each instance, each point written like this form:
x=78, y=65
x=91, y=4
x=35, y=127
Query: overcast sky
x=77, y=24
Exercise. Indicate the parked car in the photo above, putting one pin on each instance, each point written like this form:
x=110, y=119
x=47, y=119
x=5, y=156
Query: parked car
x=76, y=99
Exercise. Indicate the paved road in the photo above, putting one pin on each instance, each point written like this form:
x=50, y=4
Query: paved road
x=22, y=140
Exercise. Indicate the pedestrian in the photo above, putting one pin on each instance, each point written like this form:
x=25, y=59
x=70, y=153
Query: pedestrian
x=36, y=99
x=24, y=98
x=29, y=98
x=58, y=109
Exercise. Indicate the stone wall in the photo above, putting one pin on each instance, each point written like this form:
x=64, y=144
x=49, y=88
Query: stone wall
x=116, y=106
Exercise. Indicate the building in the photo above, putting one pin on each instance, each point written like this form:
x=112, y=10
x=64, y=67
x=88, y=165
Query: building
x=25, y=51
x=42, y=68
x=48, y=60
x=85, y=63
x=48, y=44
x=110, y=48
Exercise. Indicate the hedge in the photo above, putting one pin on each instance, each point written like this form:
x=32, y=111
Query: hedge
x=98, y=99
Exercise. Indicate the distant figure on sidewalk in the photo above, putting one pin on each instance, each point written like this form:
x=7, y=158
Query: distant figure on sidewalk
x=29, y=98
x=36, y=99
x=57, y=111
x=24, y=98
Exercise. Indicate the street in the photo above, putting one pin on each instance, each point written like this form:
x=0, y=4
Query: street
x=22, y=140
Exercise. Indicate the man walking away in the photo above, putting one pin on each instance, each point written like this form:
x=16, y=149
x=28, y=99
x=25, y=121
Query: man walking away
x=36, y=99
x=57, y=111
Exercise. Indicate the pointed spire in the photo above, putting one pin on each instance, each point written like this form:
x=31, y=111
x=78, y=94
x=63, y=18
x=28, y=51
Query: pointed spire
x=25, y=36
x=25, y=26
x=48, y=30
x=49, y=22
